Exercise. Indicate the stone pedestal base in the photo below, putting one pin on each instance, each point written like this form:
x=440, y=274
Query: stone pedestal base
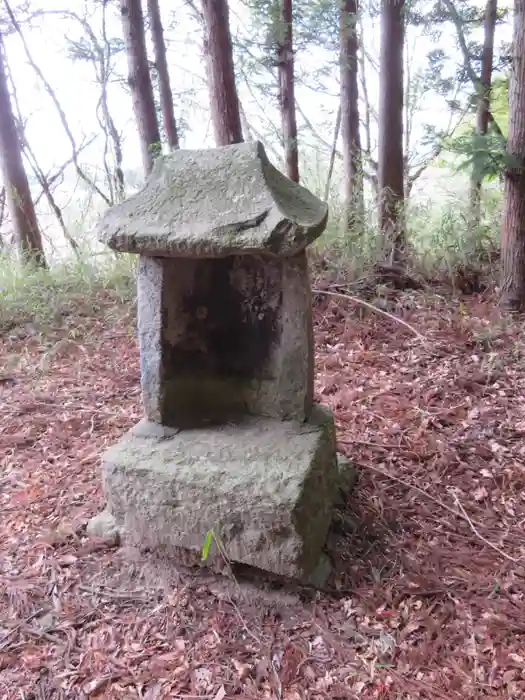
x=265, y=487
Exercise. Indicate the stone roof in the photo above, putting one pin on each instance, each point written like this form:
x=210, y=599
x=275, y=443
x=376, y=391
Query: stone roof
x=212, y=203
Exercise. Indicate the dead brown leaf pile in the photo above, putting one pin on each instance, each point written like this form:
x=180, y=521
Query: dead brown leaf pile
x=429, y=554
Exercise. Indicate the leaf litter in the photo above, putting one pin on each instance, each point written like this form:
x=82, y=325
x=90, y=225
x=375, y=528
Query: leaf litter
x=427, y=597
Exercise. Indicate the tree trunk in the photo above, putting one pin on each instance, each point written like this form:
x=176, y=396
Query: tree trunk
x=30, y=156
x=333, y=151
x=483, y=111
x=18, y=194
x=224, y=102
x=61, y=114
x=246, y=128
x=105, y=55
x=161, y=63
x=369, y=164
x=513, y=220
x=391, y=165
x=139, y=81
x=285, y=62
x=353, y=197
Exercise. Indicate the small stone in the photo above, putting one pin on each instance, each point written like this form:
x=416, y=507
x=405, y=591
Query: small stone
x=347, y=479
x=320, y=575
x=104, y=526
x=149, y=429
x=344, y=523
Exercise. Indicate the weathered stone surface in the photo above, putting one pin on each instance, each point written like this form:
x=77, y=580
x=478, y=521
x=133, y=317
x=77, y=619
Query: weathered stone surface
x=215, y=203
x=265, y=487
x=222, y=338
x=104, y=526
x=149, y=429
x=347, y=478
x=231, y=441
x=318, y=578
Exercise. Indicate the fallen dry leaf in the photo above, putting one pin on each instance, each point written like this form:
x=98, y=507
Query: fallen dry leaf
x=435, y=609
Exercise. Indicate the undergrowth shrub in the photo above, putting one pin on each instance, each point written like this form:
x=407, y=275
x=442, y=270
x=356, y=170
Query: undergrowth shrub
x=438, y=236
x=84, y=287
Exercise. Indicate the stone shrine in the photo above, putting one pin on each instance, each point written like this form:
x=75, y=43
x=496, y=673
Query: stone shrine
x=232, y=440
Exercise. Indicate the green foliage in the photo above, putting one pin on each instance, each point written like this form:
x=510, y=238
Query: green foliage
x=156, y=149
x=84, y=50
x=207, y=545
x=499, y=103
x=484, y=155
x=46, y=297
x=438, y=232
x=438, y=236
x=441, y=238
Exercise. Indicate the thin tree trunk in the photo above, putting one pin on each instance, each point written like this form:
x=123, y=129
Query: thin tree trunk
x=2, y=210
x=46, y=189
x=285, y=62
x=102, y=65
x=18, y=194
x=353, y=196
x=105, y=69
x=513, y=220
x=161, y=63
x=139, y=80
x=35, y=166
x=483, y=111
x=408, y=110
x=246, y=128
x=467, y=63
x=391, y=162
x=333, y=151
x=224, y=101
x=367, y=154
x=62, y=116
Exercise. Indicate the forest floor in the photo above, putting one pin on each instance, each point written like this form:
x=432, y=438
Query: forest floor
x=428, y=595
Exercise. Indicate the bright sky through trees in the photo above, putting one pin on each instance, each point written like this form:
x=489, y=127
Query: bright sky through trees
x=75, y=86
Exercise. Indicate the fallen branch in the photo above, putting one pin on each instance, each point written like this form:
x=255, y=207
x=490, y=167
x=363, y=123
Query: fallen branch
x=362, y=302
x=408, y=485
x=480, y=536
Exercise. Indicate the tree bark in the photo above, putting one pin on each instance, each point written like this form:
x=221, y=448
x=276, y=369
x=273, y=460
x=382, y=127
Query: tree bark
x=31, y=158
x=353, y=197
x=224, y=102
x=18, y=193
x=246, y=128
x=513, y=220
x=161, y=63
x=285, y=63
x=105, y=56
x=333, y=152
x=483, y=111
x=370, y=171
x=391, y=165
x=467, y=63
x=139, y=81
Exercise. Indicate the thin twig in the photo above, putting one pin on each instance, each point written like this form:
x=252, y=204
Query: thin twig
x=408, y=485
x=362, y=302
x=224, y=555
x=480, y=536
